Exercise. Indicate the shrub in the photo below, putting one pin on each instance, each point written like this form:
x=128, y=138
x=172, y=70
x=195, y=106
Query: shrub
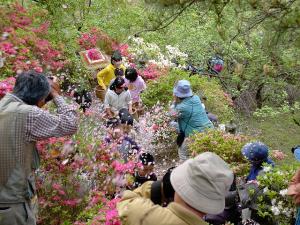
x=227, y=146
x=274, y=204
x=217, y=102
x=155, y=133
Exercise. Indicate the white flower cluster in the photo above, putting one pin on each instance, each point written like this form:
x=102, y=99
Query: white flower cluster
x=278, y=208
x=153, y=54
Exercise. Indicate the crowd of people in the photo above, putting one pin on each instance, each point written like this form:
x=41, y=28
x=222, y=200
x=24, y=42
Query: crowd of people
x=199, y=190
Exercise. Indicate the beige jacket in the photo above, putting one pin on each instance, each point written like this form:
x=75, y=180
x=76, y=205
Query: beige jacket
x=136, y=208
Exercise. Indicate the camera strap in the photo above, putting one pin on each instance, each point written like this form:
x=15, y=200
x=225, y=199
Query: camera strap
x=156, y=192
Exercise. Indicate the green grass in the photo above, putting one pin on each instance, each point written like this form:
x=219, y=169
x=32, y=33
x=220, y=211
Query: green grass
x=279, y=133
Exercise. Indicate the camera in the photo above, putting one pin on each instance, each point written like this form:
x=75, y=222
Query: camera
x=49, y=97
x=162, y=192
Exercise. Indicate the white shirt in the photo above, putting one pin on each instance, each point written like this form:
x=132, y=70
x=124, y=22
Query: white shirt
x=116, y=102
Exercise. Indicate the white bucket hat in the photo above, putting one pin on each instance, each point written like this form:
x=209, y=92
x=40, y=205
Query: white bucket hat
x=203, y=182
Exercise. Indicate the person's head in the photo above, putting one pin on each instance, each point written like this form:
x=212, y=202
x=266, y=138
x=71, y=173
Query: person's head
x=131, y=74
x=32, y=88
x=118, y=85
x=125, y=117
x=202, y=183
x=256, y=152
x=112, y=123
x=119, y=72
x=183, y=89
x=116, y=59
x=296, y=152
x=147, y=161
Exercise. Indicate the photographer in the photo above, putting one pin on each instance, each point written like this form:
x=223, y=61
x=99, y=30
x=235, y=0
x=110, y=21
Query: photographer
x=22, y=123
x=200, y=186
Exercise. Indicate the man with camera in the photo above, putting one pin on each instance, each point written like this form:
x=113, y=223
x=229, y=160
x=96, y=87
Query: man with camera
x=22, y=123
x=200, y=186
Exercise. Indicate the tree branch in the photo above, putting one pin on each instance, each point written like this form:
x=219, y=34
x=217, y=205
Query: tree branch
x=172, y=17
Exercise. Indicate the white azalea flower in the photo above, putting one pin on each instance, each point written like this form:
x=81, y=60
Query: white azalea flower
x=266, y=189
x=267, y=169
x=283, y=192
x=275, y=210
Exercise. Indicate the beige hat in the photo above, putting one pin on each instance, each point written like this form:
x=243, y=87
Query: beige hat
x=203, y=182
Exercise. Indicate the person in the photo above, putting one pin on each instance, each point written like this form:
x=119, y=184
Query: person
x=83, y=98
x=257, y=153
x=105, y=76
x=215, y=64
x=190, y=114
x=200, y=186
x=118, y=98
x=22, y=124
x=144, y=173
x=127, y=147
x=136, y=85
x=294, y=186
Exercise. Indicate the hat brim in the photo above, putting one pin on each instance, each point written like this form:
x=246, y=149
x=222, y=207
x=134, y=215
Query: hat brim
x=181, y=95
x=297, y=154
x=181, y=185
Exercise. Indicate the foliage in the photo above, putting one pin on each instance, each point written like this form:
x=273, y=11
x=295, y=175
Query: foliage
x=259, y=48
x=7, y=86
x=78, y=174
x=275, y=204
x=267, y=111
x=24, y=45
x=161, y=90
x=156, y=133
x=227, y=146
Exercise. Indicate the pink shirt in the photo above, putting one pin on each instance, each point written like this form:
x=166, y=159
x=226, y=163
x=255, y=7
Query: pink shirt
x=136, y=88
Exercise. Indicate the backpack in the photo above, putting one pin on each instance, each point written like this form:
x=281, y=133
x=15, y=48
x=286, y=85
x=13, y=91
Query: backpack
x=216, y=64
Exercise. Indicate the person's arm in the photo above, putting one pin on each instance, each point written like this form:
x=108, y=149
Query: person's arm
x=129, y=102
x=107, y=105
x=136, y=206
x=142, y=84
x=41, y=124
x=100, y=77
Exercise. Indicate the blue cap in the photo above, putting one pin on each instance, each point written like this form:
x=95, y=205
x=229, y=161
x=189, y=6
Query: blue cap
x=183, y=89
x=255, y=151
x=297, y=153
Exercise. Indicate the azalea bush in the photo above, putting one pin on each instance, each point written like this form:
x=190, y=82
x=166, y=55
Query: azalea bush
x=24, y=44
x=79, y=176
x=156, y=135
x=275, y=204
x=227, y=146
x=6, y=86
x=151, y=53
x=161, y=90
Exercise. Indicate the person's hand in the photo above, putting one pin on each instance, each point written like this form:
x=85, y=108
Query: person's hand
x=55, y=87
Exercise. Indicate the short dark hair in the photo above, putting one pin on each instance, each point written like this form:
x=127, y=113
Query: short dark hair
x=31, y=87
x=146, y=159
x=116, y=56
x=125, y=117
x=119, y=72
x=131, y=74
x=117, y=83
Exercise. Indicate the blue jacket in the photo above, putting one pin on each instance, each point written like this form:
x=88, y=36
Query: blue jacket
x=192, y=116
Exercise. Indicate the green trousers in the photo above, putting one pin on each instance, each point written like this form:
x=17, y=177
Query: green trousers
x=17, y=214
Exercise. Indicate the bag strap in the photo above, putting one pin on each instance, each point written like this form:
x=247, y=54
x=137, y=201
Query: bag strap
x=189, y=118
